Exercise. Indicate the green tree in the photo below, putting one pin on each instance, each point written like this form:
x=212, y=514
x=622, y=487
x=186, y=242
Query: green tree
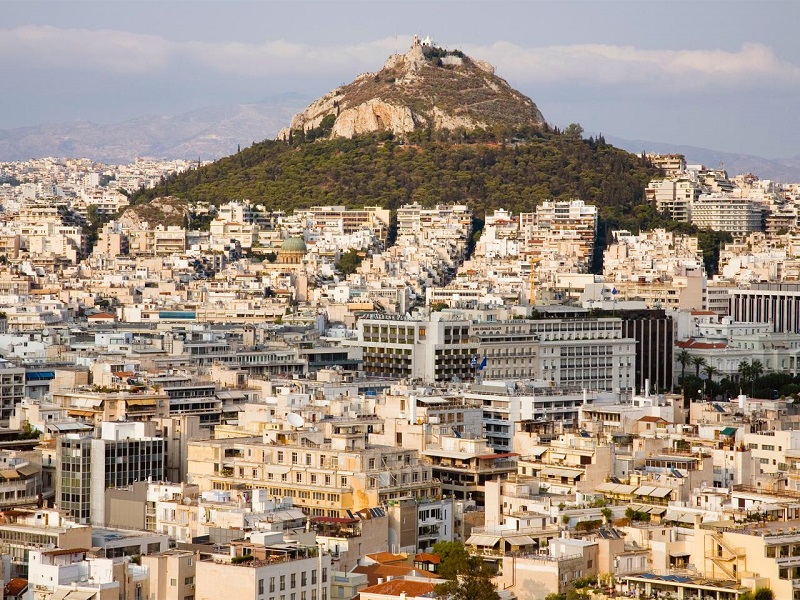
x=454, y=559
x=574, y=131
x=684, y=358
x=698, y=362
x=472, y=586
x=608, y=514
x=710, y=371
x=349, y=262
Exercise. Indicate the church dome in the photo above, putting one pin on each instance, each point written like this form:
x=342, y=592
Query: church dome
x=294, y=244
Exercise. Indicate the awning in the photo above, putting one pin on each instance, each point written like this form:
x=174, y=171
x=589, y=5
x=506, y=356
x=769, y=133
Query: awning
x=616, y=488
x=141, y=402
x=656, y=510
x=27, y=470
x=556, y=456
x=9, y=474
x=653, y=492
x=80, y=413
x=679, y=553
x=81, y=595
x=554, y=472
x=483, y=540
x=728, y=431
x=519, y=540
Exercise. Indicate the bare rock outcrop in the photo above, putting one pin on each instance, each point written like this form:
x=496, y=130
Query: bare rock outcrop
x=427, y=86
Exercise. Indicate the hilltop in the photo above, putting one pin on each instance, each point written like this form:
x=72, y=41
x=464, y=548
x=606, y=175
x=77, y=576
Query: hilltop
x=428, y=87
x=467, y=137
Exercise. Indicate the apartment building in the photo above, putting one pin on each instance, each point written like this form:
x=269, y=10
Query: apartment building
x=12, y=389
x=417, y=525
x=125, y=452
x=674, y=197
x=559, y=227
x=270, y=569
x=463, y=466
x=737, y=215
x=324, y=478
x=71, y=573
x=435, y=349
x=570, y=353
x=506, y=402
x=25, y=530
x=172, y=574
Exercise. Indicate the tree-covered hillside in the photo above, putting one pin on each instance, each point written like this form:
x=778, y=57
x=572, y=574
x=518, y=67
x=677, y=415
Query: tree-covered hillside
x=433, y=167
x=372, y=170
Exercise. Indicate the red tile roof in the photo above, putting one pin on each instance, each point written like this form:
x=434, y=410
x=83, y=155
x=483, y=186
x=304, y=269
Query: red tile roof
x=378, y=571
x=15, y=587
x=395, y=587
x=697, y=345
x=387, y=557
x=428, y=557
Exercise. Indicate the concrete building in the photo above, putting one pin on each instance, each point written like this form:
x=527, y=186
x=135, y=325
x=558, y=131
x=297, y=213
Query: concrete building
x=736, y=215
x=86, y=467
x=172, y=574
x=465, y=465
x=271, y=569
x=324, y=478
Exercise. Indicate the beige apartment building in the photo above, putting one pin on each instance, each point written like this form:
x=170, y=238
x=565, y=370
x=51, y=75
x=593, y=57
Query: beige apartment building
x=325, y=478
x=172, y=574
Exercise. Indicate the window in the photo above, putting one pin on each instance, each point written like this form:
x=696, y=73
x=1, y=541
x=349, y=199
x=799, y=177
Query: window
x=283, y=582
x=324, y=574
x=293, y=580
x=188, y=581
x=294, y=458
x=260, y=586
x=313, y=577
x=271, y=585
x=173, y=582
x=303, y=578
x=280, y=456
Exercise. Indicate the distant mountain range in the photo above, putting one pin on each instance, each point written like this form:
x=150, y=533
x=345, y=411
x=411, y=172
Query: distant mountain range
x=786, y=170
x=208, y=133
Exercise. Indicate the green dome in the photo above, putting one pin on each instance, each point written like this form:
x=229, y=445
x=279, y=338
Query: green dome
x=293, y=244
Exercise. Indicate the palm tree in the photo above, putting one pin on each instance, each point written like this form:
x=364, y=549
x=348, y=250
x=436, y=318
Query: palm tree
x=683, y=358
x=710, y=371
x=757, y=369
x=698, y=362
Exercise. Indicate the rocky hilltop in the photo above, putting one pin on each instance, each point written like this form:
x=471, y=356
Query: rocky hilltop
x=426, y=87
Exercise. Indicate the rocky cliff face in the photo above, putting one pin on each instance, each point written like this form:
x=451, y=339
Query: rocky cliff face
x=426, y=87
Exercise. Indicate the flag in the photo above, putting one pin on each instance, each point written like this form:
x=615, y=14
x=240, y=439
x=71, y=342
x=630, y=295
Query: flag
x=483, y=364
x=474, y=362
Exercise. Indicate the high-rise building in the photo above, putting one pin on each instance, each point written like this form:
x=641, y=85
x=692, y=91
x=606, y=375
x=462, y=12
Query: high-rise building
x=125, y=453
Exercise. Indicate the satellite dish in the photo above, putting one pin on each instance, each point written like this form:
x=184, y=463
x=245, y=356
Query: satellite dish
x=295, y=420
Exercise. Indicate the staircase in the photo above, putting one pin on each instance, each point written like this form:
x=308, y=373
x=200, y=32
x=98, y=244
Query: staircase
x=725, y=556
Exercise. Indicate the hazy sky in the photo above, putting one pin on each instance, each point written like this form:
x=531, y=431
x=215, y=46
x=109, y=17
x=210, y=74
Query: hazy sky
x=717, y=74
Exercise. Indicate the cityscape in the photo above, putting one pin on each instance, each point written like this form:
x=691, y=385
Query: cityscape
x=423, y=344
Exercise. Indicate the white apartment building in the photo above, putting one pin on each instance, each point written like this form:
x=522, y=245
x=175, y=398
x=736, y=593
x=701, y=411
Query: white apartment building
x=674, y=197
x=722, y=213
